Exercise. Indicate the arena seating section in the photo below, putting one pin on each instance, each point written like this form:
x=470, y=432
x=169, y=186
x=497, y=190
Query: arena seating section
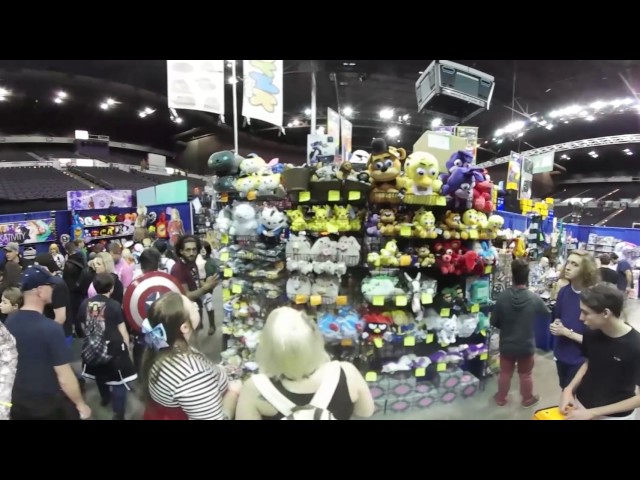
x=36, y=183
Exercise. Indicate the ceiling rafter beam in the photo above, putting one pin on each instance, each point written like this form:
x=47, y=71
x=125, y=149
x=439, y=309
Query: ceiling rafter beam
x=561, y=147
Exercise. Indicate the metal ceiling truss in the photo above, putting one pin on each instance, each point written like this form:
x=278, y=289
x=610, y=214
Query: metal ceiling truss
x=562, y=147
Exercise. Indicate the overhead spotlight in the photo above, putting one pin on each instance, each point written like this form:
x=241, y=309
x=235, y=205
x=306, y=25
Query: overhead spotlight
x=62, y=95
x=178, y=120
x=563, y=157
x=520, y=134
x=590, y=118
x=598, y=105
x=543, y=122
x=296, y=122
x=232, y=80
x=626, y=150
x=629, y=153
x=386, y=113
x=436, y=122
x=104, y=106
x=549, y=127
x=347, y=111
x=111, y=101
x=148, y=111
x=142, y=114
x=307, y=111
x=290, y=124
x=57, y=100
x=4, y=92
x=393, y=132
x=534, y=119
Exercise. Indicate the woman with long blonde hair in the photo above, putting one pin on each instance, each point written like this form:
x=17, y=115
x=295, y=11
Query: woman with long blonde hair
x=295, y=368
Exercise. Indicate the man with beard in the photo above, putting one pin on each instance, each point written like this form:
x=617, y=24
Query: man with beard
x=186, y=271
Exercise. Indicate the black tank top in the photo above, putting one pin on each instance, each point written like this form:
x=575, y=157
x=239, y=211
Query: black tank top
x=340, y=406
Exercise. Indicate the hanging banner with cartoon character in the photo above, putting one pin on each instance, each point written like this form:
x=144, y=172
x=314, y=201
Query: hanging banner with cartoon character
x=99, y=199
x=333, y=125
x=262, y=96
x=196, y=85
x=321, y=149
x=515, y=171
x=28, y=231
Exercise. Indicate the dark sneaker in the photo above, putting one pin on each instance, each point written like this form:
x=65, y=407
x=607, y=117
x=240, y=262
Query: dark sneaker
x=501, y=402
x=532, y=402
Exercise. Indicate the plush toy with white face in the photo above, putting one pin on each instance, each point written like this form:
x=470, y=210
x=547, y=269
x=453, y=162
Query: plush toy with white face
x=359, y=157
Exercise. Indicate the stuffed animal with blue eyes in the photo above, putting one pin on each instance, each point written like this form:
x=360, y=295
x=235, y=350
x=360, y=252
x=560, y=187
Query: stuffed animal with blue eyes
x=384, y=168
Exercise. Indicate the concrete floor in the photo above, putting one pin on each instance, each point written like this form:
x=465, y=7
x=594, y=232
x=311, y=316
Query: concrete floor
x=478, y=407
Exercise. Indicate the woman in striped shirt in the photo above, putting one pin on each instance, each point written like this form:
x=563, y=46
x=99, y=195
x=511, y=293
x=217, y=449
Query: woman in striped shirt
x=180, y=383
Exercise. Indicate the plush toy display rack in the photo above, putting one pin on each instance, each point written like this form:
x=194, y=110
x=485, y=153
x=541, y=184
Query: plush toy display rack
x=396, y=278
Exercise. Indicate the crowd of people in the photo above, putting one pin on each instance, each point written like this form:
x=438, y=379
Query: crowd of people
x=596, y=351
x=46, y=305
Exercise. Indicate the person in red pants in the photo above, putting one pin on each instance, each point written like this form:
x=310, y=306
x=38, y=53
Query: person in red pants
x=514, y=314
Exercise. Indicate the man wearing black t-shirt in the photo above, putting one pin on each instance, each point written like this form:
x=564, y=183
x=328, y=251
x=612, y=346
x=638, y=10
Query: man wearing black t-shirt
x=60, y=307
x=605, y=386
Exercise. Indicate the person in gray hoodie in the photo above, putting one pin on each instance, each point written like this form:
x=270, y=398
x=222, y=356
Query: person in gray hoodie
x=514, y=314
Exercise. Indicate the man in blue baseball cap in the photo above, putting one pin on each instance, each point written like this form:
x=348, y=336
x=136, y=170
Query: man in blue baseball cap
x=45, y=387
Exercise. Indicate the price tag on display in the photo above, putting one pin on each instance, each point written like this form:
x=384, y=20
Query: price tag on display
x=304, y=196
x=421, y=372
x=442, y=367
x=226, y=294
x=405, y=231
x=224, y=198
x=334, y=195
x=429, y=338
x=236, y=288
x=251, y=195
x=341, y=300
x=378, y=301
x=483, y=333
x=441, y=202
x=445, y=312
x=224, y=256
x=225, y=239
x=378, y=342
x=410, y=341
x=301, y=299
x=475, y=308
x=315, y=300
x=473, y=234
x=401, y=301
x=228, y=273
x=346, y=342
x=488, y=269
x=444, y=344
x=354, y=195
x=331, y=228
x=484, y=356
x=426, y=298
x=371, y=377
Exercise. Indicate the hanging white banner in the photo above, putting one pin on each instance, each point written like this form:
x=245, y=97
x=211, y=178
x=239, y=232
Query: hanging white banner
x=262, y=95
x=196, y=85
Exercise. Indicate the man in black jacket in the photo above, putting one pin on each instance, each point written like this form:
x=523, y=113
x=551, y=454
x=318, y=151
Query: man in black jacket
x=514, y=314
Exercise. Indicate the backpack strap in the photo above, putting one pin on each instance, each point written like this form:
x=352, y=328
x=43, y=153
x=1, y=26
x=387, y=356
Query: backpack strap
x=328, y=387
x=272, y=395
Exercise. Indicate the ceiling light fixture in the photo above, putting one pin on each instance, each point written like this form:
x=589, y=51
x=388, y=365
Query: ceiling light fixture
x=57, y=100
x=347, y=111
x=104, y=106
x=386, y=113
x=436, y=122
x=393, y=132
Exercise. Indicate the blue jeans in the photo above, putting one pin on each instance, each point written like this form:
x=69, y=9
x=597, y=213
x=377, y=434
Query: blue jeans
x=566, y=372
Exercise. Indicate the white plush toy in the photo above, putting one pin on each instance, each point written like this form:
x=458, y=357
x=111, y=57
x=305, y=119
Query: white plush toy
x=223, y=220
x=349, y=251
x=268, y=183
x=244, y=220
x=325, y=249
x=300, y=266
x=298, y=285
x=448, y=331
x=272, y=221
x=467, y=325
x=246, y=184
x=327, y=287
x=252, y=164
x=298, y=247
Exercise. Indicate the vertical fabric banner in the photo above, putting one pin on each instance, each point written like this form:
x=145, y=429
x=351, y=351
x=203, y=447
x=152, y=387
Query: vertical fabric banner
x=346, y=129
x=196, y=85
x=526, y=179
x=515, y=170
x=333, y=124
x=262, y=96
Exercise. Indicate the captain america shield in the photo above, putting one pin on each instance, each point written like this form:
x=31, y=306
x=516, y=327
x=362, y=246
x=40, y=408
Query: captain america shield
x=145, y=290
